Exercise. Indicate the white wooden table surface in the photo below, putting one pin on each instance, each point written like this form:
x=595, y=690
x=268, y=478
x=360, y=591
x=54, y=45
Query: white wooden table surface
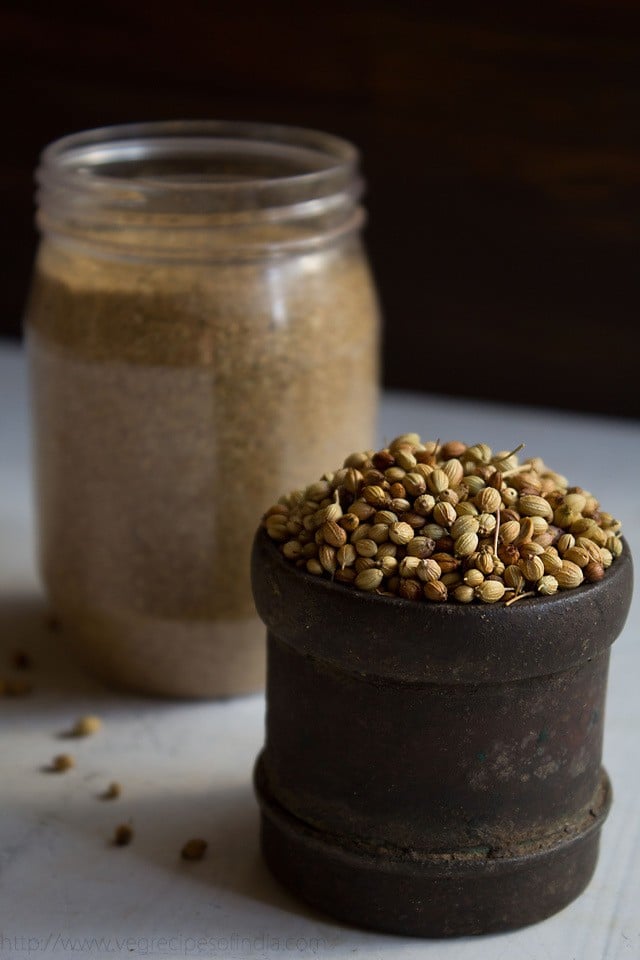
x=186, y=767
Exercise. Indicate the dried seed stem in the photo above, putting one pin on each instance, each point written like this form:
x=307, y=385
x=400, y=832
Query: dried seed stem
x=513, y=452
x=521, y=469
x=520, y=596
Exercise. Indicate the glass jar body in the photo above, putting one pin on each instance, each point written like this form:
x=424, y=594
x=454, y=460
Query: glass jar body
x=172, y=402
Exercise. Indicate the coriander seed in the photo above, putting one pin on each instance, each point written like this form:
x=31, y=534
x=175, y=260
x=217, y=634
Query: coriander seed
x=578, y=555
x=547, y=585
x=346, y=555
x=532, y=568
x=428, y=570
x=86, y=726
x=327, y=558
x=444, y=514
x=409, y=567
x=550, y=561
x=463, y=593
x=112, y=792
x=466, y=544
x=369, y=579
x=569, y=575
x=437, y=481
x=490, y=591
x=62, y=762
x=488, y=500
x=593, y=571
x=194, y=849
x=409, y=590
x=400, y=533
x=436, y=591
x=460, y=541
x=123, y=835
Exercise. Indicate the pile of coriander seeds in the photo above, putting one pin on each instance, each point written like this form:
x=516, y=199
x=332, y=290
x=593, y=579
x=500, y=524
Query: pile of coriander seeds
x=446, y=522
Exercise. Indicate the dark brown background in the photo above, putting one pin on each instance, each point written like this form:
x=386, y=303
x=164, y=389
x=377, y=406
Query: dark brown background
x=500, y=146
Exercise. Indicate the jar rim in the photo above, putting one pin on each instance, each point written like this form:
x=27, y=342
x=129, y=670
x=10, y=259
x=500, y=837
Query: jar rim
x=131, y=165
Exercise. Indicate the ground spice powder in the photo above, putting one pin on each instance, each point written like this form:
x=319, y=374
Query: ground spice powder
x=172, y=402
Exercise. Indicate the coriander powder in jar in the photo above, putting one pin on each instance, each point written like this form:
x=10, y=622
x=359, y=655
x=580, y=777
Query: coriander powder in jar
x=202, y=333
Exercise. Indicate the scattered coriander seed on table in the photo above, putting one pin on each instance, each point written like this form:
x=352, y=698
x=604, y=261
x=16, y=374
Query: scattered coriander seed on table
x=123, y=835
x=86, y=726
x=62, y=762
x=112, y=792
x=194, y=849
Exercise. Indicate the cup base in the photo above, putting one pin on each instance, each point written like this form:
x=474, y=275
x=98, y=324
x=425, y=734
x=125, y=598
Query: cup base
x=443, y=895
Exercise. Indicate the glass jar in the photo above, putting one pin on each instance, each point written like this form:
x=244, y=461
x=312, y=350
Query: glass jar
x=202, y=333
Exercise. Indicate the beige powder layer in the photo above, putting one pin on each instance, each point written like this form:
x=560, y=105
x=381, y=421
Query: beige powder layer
x=172, y=403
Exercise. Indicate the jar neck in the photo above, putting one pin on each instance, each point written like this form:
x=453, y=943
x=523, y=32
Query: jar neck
x=199, y=189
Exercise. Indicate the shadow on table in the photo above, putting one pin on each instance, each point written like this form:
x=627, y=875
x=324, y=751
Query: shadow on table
x=228, y=819
x=233, y=872
x=37, y=672
x=32, y=650
x=33, y=656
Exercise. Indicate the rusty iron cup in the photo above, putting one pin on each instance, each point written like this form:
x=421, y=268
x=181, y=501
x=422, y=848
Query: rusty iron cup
x=433, y=769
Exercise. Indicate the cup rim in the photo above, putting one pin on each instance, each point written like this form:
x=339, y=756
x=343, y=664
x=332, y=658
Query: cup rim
x=446, y=643
x=74, y=160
